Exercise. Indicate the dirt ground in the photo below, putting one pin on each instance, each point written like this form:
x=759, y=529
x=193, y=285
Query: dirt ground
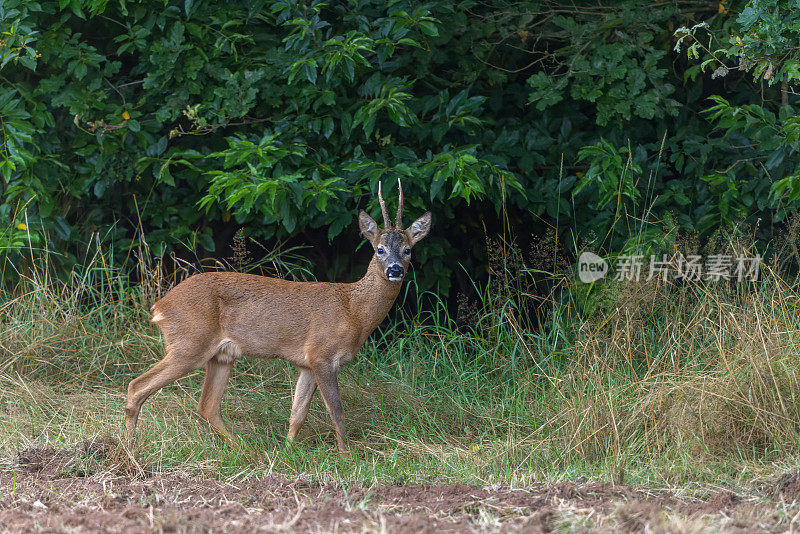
x=49, y=491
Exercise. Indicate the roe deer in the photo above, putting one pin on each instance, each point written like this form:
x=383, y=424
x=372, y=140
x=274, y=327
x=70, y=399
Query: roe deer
x=211, y=319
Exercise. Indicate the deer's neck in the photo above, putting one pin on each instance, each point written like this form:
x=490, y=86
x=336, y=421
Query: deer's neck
x=371, y=298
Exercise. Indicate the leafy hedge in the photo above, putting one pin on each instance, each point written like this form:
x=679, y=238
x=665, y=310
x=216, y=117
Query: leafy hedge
x=191, y=119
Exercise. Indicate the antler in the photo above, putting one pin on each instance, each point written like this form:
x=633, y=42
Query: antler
x=399, y=223
x=386, y=223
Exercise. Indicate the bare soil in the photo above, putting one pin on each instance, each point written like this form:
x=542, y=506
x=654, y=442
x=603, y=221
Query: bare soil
x=57, y=491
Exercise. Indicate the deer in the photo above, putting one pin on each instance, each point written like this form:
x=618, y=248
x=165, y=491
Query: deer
x=211, y=319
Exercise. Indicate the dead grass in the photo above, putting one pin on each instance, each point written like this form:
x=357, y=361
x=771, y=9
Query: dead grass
x=705, y=372
x=662, y=385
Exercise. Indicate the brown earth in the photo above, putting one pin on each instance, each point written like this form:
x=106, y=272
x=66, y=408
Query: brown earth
x=55, y=491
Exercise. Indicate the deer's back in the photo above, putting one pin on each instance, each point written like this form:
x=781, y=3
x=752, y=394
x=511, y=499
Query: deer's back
x=265, y=317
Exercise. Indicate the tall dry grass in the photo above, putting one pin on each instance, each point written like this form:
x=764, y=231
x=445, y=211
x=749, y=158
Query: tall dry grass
x=622, y=376
x=700, y=369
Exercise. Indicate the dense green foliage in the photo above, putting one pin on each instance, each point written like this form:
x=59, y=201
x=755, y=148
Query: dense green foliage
x=180, y=122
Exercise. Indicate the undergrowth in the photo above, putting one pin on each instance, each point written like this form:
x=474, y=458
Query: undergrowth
x=644, y=382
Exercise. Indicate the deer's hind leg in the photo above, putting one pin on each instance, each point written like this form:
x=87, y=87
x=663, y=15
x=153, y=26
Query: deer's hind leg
x=303, y=392
x=218, y=369
x=179, y=361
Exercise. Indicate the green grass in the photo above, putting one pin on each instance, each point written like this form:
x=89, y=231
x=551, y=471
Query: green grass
x=669, y=387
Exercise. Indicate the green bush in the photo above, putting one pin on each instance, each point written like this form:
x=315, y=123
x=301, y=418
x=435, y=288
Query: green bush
x=178, y=123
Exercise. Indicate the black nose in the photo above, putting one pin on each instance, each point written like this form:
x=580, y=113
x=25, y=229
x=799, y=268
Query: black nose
x=395, y=271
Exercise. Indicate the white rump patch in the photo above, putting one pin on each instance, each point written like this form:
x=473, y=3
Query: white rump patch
x=157, y=317
x=228, y=351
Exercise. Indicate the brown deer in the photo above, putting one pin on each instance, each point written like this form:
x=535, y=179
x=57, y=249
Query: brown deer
x=210, y=319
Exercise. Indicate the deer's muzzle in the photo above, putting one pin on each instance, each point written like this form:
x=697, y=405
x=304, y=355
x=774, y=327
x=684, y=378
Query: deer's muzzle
x=395, y=272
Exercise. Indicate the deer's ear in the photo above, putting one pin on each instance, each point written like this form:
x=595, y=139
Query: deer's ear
x=368, y=225
x=419, y=228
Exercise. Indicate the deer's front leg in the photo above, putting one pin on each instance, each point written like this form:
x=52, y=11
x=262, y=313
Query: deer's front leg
x=303, y=392
x=328, y=384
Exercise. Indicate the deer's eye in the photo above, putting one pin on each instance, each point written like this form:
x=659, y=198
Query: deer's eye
x=407, y=251
x=381, y=251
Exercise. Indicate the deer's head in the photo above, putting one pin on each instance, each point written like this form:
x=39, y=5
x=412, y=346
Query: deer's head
x=393, y=244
